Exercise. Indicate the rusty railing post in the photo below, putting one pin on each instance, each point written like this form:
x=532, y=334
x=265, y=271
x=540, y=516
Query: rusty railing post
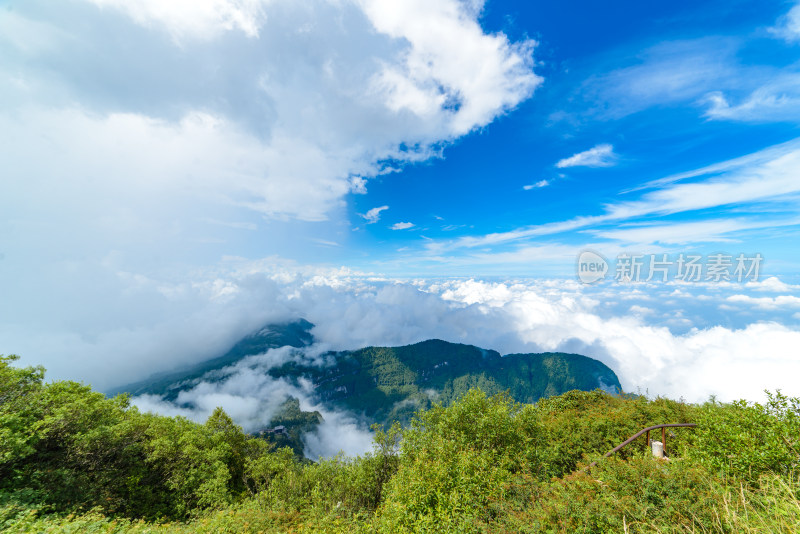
x=642, y=431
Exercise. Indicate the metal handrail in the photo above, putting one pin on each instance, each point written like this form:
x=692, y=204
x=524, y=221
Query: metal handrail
x=642, y=431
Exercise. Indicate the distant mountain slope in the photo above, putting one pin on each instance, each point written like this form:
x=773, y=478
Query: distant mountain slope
x=390, y=383
x=272, y=336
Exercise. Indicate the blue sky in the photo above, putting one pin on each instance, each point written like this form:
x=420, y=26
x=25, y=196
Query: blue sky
x=175, y=174
x=639, y=78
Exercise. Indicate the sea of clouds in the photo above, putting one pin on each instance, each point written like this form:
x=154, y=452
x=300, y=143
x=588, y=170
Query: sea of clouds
x=679, y=340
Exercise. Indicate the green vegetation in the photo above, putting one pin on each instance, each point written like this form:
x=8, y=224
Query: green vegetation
x=295, y=423
x=72, y=460
x=388, y=384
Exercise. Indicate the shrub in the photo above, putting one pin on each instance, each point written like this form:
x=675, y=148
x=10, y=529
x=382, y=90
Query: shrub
x=748, y=440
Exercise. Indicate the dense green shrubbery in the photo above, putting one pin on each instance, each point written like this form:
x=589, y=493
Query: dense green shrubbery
x=458, y=462
x=747, y=440
x=482, y=464
x=69, y=448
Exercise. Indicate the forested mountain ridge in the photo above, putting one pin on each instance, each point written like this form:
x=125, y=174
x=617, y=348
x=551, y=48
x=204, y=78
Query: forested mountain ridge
x=390, y=383
x=384, y=384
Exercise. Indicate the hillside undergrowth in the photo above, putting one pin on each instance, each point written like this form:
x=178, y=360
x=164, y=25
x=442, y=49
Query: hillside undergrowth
x=72, y=460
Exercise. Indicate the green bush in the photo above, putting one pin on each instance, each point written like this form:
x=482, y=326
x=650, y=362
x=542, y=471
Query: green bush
x=747, y=440
x=69, y=448
x=456, y=463
x=578, y=423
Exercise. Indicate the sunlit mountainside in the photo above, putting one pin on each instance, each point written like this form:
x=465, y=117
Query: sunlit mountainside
x=374, y=384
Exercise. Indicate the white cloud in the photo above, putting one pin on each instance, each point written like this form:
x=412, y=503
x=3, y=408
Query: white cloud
x=777, y=100
x=402, y=226
x=252, y=397
x=703, y=72
x=598, y=156
x=201, y=19
x=743, y=186
x=128, y=158
x=682, y=233
x=670, y=72
x=788, y=26
x=767, y=303
x=451, y=64
x=373, y=215
x=641, y=310
x=326, y=243
x=754, y=160
x=289, y=134
x=772, y=284
x=197, y=321
x=119, y=166
x=540, y=183
x=339, y=432
x=729, y=362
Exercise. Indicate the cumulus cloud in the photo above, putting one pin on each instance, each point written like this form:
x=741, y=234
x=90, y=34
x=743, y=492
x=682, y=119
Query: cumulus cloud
x=730, y=362
x=402, y=226
x=451, y=64
x=223, y=116
x=772, y=284
x=599, y=156
x=372, y=216
x=123, y=171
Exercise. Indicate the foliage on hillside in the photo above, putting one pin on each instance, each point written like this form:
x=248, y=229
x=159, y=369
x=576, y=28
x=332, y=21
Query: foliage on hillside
x=387, y=384
x=295, y=423
x=391, y=383
x=72, y=460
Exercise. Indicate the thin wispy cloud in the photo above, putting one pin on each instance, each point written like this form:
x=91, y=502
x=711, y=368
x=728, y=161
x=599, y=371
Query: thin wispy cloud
x=599, y=156
x=778, y=100
x=670, y=73
x=402, y=226
x=684, y=233
x=195, y=19
x=788, y=26
x=326, y=243
x=374, y=215
x=536, y=185
x=748, y=180
x=754, y=160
